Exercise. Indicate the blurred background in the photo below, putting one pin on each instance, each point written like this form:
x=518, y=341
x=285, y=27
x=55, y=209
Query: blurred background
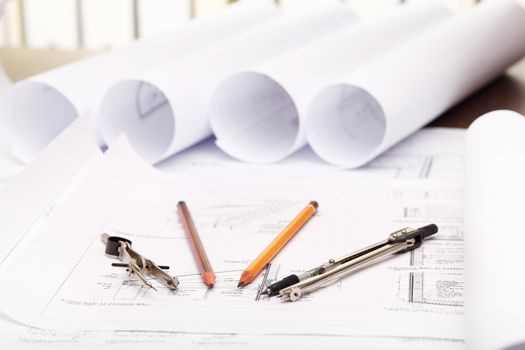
x=36, y=35
x=101, y=24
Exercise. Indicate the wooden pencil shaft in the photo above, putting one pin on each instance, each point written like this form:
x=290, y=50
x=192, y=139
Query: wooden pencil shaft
x=282, y=238
x=195, y=242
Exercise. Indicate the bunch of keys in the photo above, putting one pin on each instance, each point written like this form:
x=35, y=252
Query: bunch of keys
x=293, y=287
x=136, y=264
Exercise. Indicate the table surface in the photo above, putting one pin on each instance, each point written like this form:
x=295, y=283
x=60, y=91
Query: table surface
x=506, y=92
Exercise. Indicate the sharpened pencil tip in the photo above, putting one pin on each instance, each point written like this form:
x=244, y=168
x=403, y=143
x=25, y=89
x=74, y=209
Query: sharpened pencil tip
x=209, y=279
x=264, y=292
x=246, y=278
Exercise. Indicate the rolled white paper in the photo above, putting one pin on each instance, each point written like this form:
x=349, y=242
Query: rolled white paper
x=35, y=110
x=164, y=110
x=350, y=123
x=494, y=238
x=270, y=128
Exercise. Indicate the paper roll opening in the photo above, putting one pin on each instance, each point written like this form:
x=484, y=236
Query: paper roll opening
x=345, y=125
x=254, y=118
x=141, y=111
x=34, y=113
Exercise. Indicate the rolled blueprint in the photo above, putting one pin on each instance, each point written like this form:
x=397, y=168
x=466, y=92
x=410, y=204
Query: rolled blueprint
x=351, y=122
x=256, y=114
x=35, y=110
x=164, y=110
x=494, y=239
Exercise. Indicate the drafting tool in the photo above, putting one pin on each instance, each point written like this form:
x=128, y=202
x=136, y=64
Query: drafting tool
x=277, y=244
x=208, y=276
x=293, y=287
x=136, y=264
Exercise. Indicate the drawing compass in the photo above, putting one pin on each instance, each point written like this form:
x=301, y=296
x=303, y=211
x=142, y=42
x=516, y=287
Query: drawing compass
x=136, y=264
x=293, y=287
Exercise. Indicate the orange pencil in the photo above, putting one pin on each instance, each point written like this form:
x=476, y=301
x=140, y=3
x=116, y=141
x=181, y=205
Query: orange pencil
x=277, y=244
x=208, y=276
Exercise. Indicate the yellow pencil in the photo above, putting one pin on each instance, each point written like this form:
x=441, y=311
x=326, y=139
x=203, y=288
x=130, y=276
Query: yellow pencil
x=277, y=244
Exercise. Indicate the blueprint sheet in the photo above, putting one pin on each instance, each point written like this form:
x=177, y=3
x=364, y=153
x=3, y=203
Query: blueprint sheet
x=409, y=300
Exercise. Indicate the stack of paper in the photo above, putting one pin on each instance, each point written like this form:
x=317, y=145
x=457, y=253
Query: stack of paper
x=265, y=81
x=237, y=213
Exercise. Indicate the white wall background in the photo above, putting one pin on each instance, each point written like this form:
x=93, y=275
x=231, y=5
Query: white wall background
x=100, y=24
